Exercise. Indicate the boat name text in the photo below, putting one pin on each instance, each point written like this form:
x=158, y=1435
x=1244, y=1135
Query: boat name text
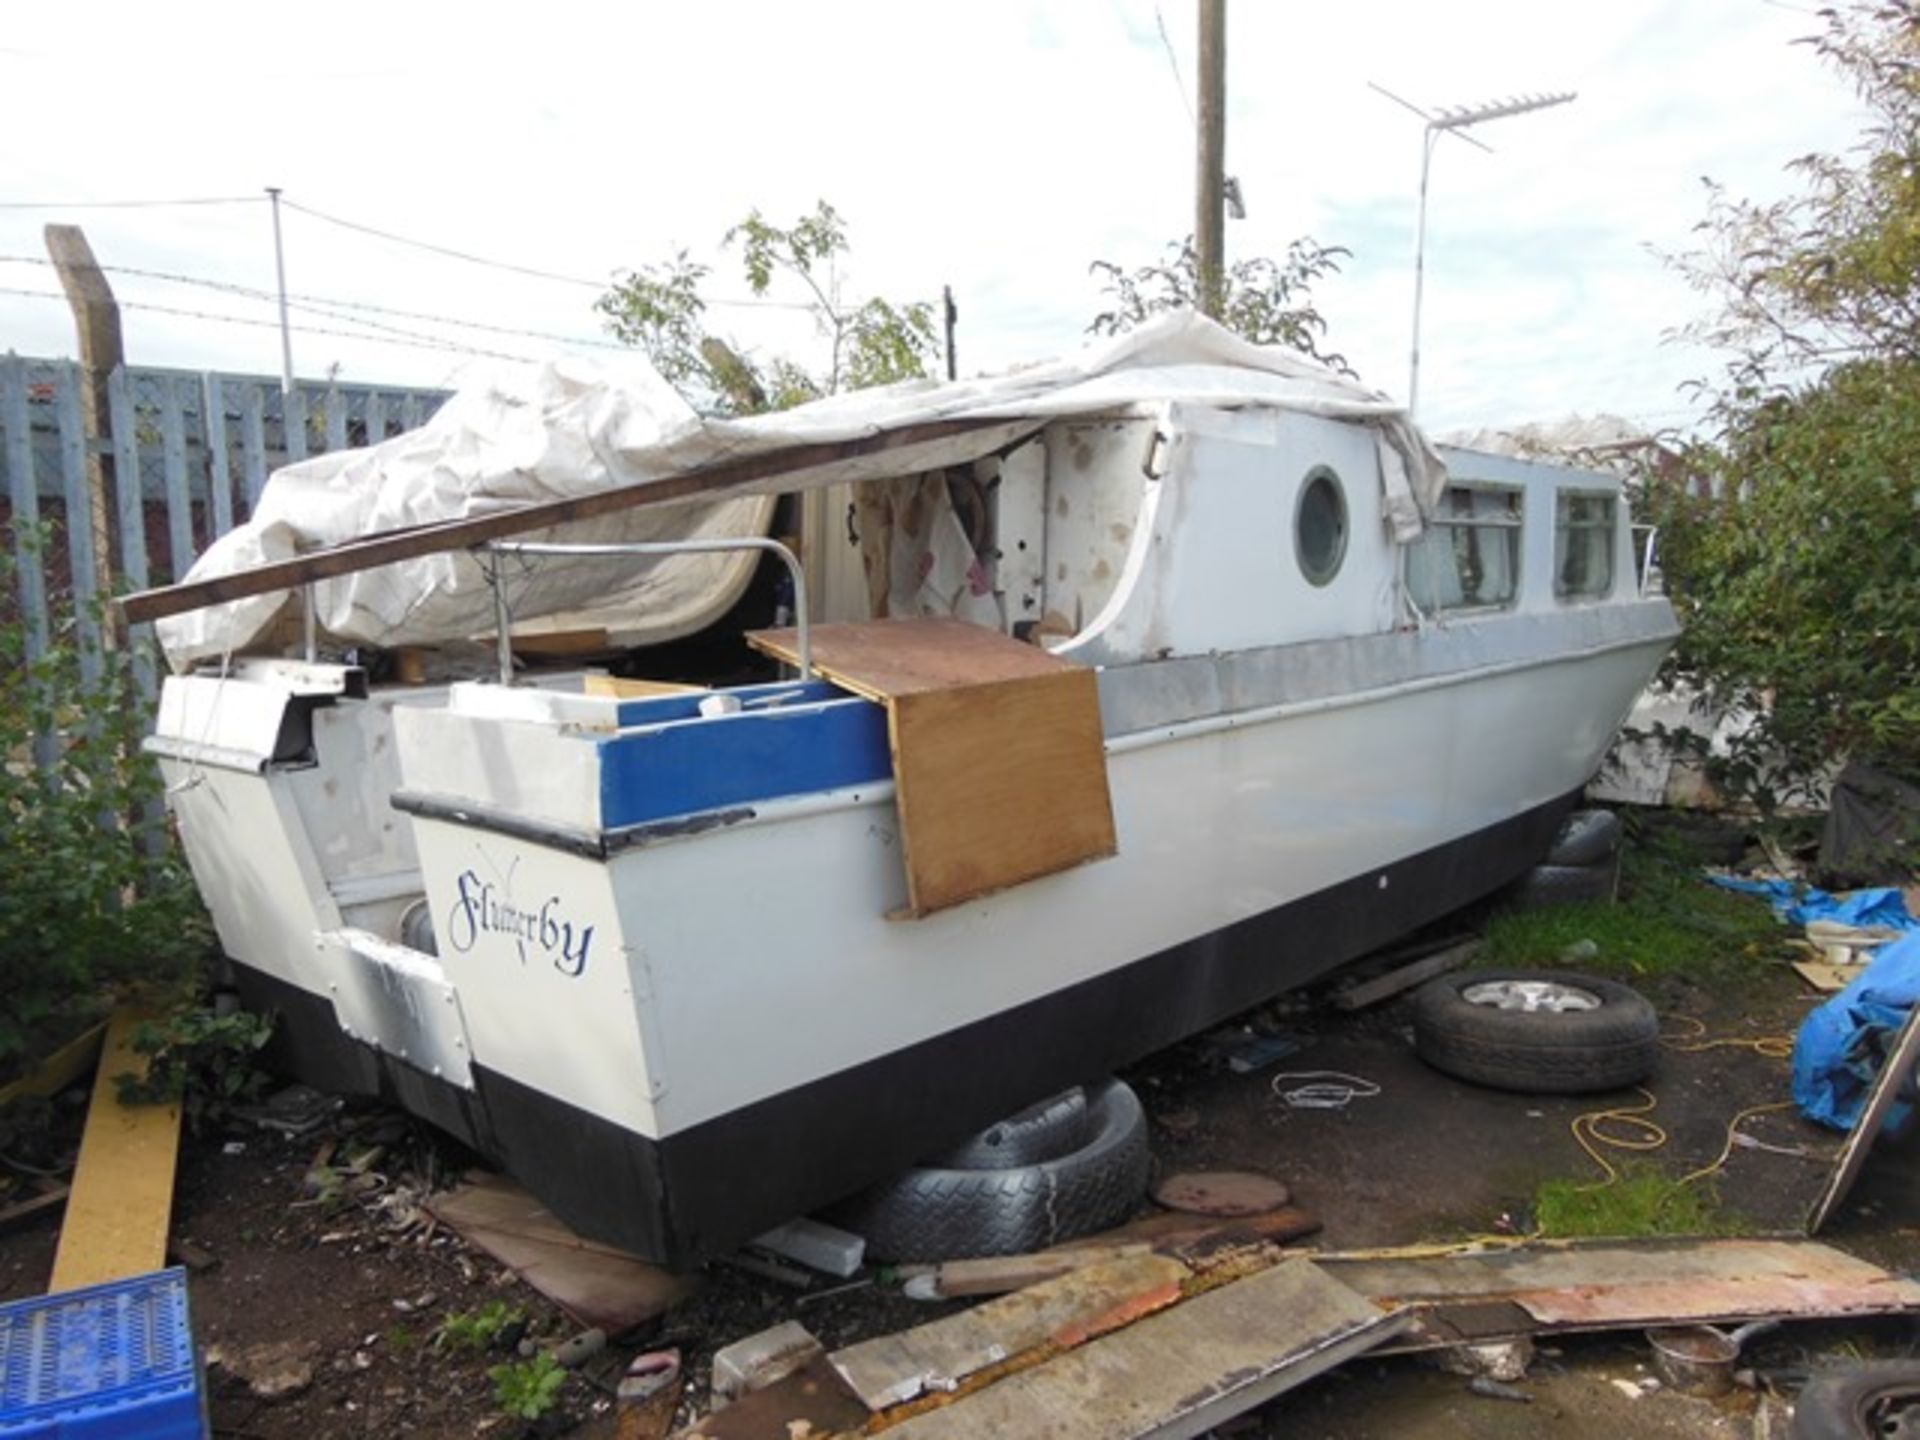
x=483, y=909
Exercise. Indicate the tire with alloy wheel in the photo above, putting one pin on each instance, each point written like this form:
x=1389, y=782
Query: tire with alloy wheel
x=1536, y=1031
x=931, y=1214
x=1862, y=1402
x=1587, y=837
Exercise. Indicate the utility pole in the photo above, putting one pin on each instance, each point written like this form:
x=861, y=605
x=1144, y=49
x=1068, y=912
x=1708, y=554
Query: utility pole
x=950, y=314
x=280, y=274
x=96, y=319
x=1209, y=223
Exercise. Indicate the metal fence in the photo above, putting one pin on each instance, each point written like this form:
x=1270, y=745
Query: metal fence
x=180, y=459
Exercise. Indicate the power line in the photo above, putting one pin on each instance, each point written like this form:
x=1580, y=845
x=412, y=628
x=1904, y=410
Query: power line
x=128, y=204
x=1173, y=62
x=412, y=344
x=509, y=266
x=313, y=302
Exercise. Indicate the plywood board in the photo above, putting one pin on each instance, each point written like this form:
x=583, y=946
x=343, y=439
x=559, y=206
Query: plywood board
x=1071, y=1308
x=1827, y=977
x=999, y=784
x=1892, y=1079
x=884, y=658
x=597, y=1284
x=1180, y=1372
x=999, y=759
x=122, y=1196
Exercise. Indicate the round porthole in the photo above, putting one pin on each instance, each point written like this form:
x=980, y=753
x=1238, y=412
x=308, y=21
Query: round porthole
x=1320, y=526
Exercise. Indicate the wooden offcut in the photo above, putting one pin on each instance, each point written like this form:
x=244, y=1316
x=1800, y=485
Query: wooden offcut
x=999, y=760
x=598, y=1285
x=122, y=1196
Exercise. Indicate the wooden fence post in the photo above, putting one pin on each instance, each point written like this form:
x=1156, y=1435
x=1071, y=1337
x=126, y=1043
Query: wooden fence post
x=96, y=319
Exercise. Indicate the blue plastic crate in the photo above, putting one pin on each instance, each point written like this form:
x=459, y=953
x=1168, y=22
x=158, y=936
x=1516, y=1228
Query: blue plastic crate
x=111, y=1360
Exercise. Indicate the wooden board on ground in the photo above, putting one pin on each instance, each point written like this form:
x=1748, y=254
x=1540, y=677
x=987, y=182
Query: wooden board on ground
x=1827, y=977
x=1627, y=1285
x=66, y=1066
x=999, y=759
x=1894, y=1076
x=122, y=1195
x=597, y=1284
x=1179, y=1372
x=1361, y=993
x=1066, y=1310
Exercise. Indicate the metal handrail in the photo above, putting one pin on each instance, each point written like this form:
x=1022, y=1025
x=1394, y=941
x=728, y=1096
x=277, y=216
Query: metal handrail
x=503, y=618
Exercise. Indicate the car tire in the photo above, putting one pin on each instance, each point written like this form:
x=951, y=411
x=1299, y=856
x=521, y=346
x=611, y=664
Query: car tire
x=1476, y=1026
x=1587, y=837
x=1056, y=1126
x=933, y=1214
x=1546, y=885
x=1861, y=1402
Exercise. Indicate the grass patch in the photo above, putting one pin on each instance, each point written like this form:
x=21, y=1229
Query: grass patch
x=1641, y=1202
x=1668, y=921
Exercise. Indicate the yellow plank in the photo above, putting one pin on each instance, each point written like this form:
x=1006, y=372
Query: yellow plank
x=58, y=1070
x=122, y=1200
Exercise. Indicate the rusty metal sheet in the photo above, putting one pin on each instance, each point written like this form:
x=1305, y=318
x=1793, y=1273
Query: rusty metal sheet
x=1178, y=1373
x=1605, y=1307
x=1064, y=1312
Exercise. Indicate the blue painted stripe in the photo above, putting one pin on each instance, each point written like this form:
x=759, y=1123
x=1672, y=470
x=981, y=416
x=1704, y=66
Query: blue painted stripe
x=687, y=766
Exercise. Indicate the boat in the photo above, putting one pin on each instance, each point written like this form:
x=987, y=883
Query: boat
x=1178, y=674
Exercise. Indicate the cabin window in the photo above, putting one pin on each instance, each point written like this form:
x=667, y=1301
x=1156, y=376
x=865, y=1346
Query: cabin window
x=1583, y=546
x=1469, y=557
x=1320, y=526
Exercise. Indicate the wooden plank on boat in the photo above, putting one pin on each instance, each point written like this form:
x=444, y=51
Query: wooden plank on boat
x=1180, y=1372
x=622, y=688
x=1067, y=1310
x=881, y=659
x=597, y=1284
x=999, y=760
x=999, y=784
x=122, y=1196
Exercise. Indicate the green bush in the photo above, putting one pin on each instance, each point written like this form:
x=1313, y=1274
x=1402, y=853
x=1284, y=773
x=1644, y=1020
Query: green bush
x=94, y=893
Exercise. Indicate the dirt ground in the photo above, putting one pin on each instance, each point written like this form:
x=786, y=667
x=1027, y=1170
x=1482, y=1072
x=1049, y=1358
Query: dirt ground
x=360, y=1284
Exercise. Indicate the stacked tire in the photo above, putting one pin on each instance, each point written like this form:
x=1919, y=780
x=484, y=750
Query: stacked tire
x=1583, y=864
x=1066, y=1167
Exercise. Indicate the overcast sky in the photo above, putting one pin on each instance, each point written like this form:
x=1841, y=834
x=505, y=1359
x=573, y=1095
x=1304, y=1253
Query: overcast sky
x=997, y=146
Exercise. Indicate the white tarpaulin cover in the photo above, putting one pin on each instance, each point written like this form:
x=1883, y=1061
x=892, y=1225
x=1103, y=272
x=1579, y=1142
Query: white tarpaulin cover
x=529, y=434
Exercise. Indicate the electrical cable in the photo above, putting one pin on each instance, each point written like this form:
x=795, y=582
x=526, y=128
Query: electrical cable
x=130, y=204
x=441, y=345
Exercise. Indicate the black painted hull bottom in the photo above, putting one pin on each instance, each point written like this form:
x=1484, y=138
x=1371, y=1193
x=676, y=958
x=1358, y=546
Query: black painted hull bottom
x=702, y=1192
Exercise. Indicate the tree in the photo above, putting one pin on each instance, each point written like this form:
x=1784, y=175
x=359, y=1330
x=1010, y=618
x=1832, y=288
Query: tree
x=659, y=309
x=1793, y=555
x=1266, y=301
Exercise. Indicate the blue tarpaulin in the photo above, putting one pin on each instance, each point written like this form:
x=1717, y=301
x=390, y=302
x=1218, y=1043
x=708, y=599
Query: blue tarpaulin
x=1797, y=904
x=1841, y=1045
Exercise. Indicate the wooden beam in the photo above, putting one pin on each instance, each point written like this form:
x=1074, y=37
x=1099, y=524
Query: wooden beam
x=413, y=541
x=96, y=321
